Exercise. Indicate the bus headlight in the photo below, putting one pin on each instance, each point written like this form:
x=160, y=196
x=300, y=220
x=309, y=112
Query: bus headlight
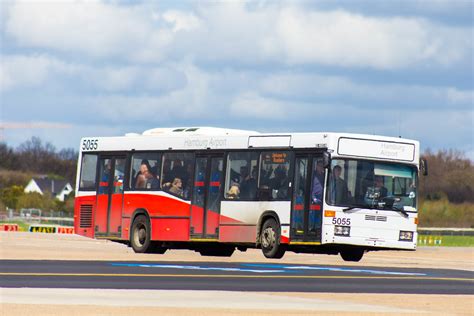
x=405, y=236
x=342, y=231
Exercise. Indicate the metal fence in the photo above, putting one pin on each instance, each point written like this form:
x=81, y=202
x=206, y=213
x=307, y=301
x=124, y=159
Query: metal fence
x=441, y=231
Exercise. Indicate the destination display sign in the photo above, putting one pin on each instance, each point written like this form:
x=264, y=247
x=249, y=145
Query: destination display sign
x=376, y=149
x=275, y=157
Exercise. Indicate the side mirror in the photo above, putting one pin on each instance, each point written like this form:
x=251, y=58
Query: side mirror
x=424, y=166
x=326, y=159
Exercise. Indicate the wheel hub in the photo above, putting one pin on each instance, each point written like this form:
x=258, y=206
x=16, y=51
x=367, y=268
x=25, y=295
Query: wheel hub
x=268, y=238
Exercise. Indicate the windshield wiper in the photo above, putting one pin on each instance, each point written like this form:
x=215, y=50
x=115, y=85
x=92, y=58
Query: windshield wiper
x=354, y=207
x=401, y=210
x=380, y=207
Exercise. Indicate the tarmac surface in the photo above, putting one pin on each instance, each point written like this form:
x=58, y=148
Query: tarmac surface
x=222, y=276
x=321, y=285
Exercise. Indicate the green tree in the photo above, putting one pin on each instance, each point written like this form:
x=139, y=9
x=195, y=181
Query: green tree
x=9, y=196
x=451, y=174
x=31, y=200
x=3, y=208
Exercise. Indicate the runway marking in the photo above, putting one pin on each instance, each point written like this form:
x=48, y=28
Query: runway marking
x=240, y=276
x=270, y=268
x=190, y=267
x=332, y=269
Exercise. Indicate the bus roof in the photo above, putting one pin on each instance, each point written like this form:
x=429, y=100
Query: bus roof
x=204, y=138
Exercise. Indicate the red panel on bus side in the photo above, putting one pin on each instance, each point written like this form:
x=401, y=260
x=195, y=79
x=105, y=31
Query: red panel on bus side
x=228, y=220
x=101, y=213
x=87, y=205
x=197, y=219
x=238, y=234
x=116, y=213
x=170, y=229
x=125, y=228
x=156, y=205
x=212, y=222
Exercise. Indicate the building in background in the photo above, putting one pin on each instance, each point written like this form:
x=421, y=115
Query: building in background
x=58, y=189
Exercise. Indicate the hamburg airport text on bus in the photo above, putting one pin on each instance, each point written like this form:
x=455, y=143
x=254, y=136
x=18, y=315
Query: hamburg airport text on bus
x=215, y=190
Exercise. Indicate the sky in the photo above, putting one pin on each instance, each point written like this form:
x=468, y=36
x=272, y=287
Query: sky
x=71, y=69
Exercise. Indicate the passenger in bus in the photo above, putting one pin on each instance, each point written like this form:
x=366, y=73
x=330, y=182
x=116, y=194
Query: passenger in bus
x=178, y=170
x=379, y=187
x=318, y=183
x=339, y=193
x=234, y=192
x=187, y=181
x=177, y=187
x=105, y=177
x=166, y=177
x=119, y=175
x=155, y=169
x=146, y=179
x=279, y=184
x=376, y=191
x=248, y=185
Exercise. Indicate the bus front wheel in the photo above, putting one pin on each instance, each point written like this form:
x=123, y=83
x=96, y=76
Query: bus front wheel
x=270, y=240
x=354, y=255
x=140, y=238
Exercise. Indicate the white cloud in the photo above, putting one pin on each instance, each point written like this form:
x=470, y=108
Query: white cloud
x=90, y=27
x=235, y=32
x=112, y=78
x=347, y=39
x=235, y=63
x=23, y=71
x=191, y=100
x=34, y=70
x=251, y=105
x=337, y=88
x=181, y=20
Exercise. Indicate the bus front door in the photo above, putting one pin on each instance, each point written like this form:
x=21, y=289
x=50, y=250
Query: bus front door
x=108, y=215
x=205, y=204
x=306, y=211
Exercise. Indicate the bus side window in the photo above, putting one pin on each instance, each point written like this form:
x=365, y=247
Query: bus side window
x=88, y=172
x=178, y=167
x=241, y=179
x=274, y=175
x=143, y=172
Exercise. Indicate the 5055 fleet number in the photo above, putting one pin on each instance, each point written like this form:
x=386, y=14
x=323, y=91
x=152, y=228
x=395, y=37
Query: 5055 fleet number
x=341, y=221
x=90, y=144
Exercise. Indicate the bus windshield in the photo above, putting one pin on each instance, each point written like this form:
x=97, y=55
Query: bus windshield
x=371, y=184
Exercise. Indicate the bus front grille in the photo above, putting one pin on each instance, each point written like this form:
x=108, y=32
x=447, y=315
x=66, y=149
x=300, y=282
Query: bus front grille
x=86, y=216
x=375, y=218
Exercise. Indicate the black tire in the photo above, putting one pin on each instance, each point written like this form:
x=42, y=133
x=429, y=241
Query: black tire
x=140, y=238
x=157, y=247
x=270, y=240
x=221, y=251
x=353, y=255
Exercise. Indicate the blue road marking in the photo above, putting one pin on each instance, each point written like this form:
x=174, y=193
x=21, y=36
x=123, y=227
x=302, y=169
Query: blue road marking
x=267, y=268
x=332, y=269
x=204, y=268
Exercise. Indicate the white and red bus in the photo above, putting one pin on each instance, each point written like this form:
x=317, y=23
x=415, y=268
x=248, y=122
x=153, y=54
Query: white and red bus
x=214, y=190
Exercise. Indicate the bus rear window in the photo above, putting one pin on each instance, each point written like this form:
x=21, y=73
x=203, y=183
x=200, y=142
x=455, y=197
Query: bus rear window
x=88, y=172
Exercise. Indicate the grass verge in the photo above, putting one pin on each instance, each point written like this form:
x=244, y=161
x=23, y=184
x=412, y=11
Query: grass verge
x=445, y=241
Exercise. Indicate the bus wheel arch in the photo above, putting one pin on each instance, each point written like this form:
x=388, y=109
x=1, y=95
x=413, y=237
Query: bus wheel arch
x=269, y=235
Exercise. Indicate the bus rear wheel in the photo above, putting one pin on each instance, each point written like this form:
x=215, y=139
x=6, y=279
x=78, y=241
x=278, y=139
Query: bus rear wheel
x=270, y=240
x=157, y=247
x=218, y=251
x=354, y=255
x=140, y=238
